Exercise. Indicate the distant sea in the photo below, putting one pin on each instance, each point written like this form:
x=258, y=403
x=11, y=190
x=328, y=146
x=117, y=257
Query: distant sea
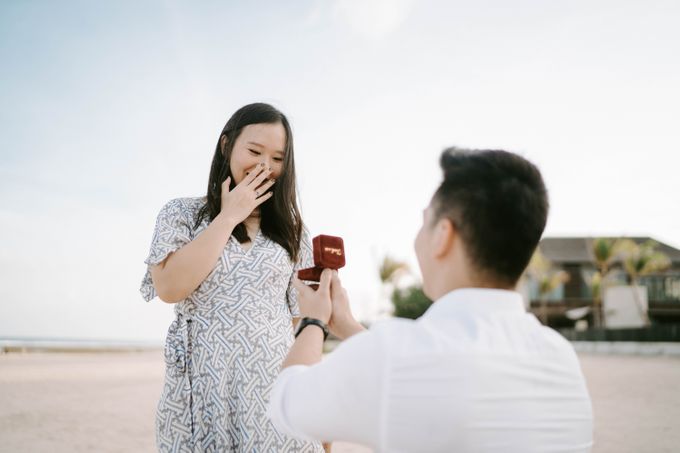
x=74, y=345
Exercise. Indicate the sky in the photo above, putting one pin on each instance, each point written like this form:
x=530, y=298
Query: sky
x=109, y=110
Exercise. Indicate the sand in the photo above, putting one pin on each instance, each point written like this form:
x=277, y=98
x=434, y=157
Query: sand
x=105, y=402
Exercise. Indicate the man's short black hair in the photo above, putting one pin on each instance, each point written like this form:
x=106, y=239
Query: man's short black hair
x=499, y=205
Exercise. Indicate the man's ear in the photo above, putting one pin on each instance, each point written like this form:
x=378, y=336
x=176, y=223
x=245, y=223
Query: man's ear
x=445, y=234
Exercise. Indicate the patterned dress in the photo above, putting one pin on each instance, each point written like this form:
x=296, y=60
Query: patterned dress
x=226, y=346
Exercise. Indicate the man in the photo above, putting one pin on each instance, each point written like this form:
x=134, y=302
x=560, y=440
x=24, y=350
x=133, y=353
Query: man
x=475, y=373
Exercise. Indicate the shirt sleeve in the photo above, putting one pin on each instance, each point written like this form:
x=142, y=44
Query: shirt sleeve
x=339, y=399
x=305, y=260
x=172, y=231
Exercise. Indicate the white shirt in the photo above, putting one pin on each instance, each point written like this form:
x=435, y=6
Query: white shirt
x=475, y=373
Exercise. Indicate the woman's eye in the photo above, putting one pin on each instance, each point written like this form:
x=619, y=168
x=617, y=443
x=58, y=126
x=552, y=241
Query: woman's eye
x=254, y=153
x=278, y=159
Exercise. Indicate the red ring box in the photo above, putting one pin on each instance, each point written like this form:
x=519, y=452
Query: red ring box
x=329, y=253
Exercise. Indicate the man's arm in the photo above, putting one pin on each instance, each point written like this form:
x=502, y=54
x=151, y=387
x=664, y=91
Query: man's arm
x=307, y=348
x=308, y=345
x=336, y=399
x=342, y=323
x=330, y=305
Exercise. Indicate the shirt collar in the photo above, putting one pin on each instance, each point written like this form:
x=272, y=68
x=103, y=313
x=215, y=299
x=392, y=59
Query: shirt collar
x=477, y=300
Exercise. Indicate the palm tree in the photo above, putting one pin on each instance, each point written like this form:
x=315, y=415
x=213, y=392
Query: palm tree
x=390, y=272
x=640, y=260
x=595, y=283
x=605, y=253
x=541, y=270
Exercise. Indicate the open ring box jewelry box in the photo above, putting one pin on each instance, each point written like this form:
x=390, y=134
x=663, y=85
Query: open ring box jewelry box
x=329, y=253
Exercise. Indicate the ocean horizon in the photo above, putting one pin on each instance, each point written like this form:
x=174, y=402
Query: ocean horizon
x=47, y=344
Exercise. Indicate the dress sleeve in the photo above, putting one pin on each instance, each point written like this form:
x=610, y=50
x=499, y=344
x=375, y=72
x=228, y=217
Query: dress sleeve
x=173, y=230
x=305, y=260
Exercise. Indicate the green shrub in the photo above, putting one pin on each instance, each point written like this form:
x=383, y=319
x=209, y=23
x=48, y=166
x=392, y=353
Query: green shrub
x=410, y=302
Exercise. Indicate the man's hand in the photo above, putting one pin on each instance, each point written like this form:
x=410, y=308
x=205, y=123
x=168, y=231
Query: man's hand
x=342, y=324
x=315, y=304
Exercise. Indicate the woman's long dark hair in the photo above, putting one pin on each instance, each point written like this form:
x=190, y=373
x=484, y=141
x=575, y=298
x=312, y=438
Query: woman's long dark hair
x=280, y=218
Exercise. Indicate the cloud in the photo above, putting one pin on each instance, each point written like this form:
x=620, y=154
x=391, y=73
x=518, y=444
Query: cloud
x=374, y=19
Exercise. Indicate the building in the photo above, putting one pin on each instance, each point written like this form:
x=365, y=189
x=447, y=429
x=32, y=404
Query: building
x=574, y=256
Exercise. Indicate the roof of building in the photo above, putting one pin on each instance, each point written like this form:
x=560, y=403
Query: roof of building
x=579, y=249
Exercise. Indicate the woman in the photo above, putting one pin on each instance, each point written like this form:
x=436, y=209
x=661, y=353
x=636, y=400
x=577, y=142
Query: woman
x=226, y=262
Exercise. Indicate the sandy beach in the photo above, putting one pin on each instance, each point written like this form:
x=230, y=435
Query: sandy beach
x=105, y=402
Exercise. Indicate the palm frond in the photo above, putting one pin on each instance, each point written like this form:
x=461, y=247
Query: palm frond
x=390, y=270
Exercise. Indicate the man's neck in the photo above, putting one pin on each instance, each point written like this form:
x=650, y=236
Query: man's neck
x=452, y=284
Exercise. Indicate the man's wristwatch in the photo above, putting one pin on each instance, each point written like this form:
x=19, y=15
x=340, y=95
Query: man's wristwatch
x=304, y=322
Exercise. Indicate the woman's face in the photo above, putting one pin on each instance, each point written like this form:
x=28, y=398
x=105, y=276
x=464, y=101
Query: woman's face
x=258, y=143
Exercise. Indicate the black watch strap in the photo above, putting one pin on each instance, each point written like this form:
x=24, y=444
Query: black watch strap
x=304, y=322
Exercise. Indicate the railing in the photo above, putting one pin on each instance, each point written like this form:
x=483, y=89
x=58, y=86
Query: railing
x=556, y=310
x=655, y=332
x=662, y=288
